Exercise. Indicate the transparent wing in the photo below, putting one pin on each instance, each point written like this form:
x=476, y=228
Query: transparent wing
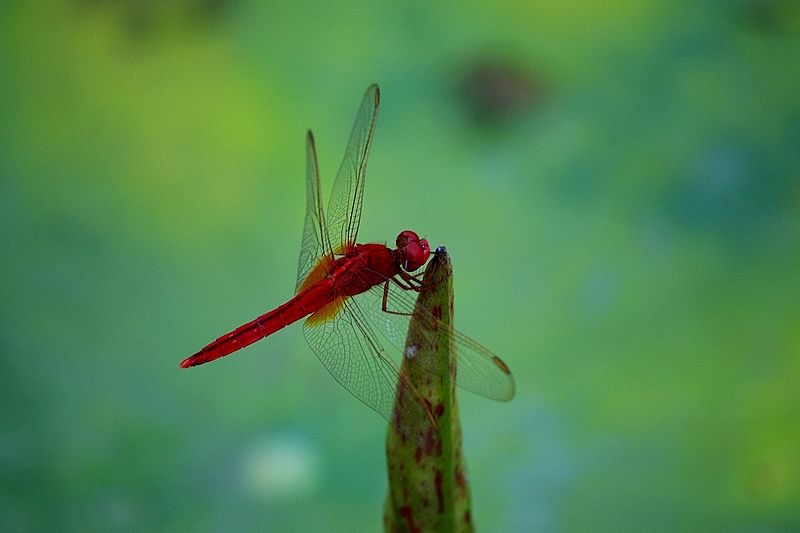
x=316, y=243
x=478, y=369
x=344, y=207
x=350, y=350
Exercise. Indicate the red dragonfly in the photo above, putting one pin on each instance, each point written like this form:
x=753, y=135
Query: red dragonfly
x=350, y=292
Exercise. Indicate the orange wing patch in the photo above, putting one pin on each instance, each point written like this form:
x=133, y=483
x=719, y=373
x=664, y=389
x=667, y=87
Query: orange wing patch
x=327, y=312
x=317, y=273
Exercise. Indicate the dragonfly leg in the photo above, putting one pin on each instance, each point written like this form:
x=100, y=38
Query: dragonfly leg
x=384, y=308
x=412, y=283
x=415, y=282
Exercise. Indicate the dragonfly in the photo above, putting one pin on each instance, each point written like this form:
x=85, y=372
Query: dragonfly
x=356, y=296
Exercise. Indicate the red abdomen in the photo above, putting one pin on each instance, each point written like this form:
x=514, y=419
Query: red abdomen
x=305, y=303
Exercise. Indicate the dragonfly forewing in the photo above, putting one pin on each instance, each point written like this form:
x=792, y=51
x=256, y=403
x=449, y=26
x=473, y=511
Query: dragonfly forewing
x=344, y=207
x=316, y=244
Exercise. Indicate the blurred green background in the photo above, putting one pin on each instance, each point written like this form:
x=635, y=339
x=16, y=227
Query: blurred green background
x=618, y=184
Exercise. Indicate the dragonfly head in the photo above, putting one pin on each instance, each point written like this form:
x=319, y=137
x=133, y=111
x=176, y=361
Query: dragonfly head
x=412, y=252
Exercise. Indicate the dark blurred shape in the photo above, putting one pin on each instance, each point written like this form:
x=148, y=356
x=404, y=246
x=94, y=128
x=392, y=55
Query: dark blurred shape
x=771, y=15
x=211, y=9
x=145, y=18
x=496, y=91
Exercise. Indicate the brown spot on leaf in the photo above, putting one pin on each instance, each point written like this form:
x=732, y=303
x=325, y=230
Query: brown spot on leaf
x=433, y=443
x=459, y=477
x=408, y=515
x=437, y=480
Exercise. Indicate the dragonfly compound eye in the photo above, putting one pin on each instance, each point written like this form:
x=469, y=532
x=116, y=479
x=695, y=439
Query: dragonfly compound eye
x=415, y=250
x=404, y=238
